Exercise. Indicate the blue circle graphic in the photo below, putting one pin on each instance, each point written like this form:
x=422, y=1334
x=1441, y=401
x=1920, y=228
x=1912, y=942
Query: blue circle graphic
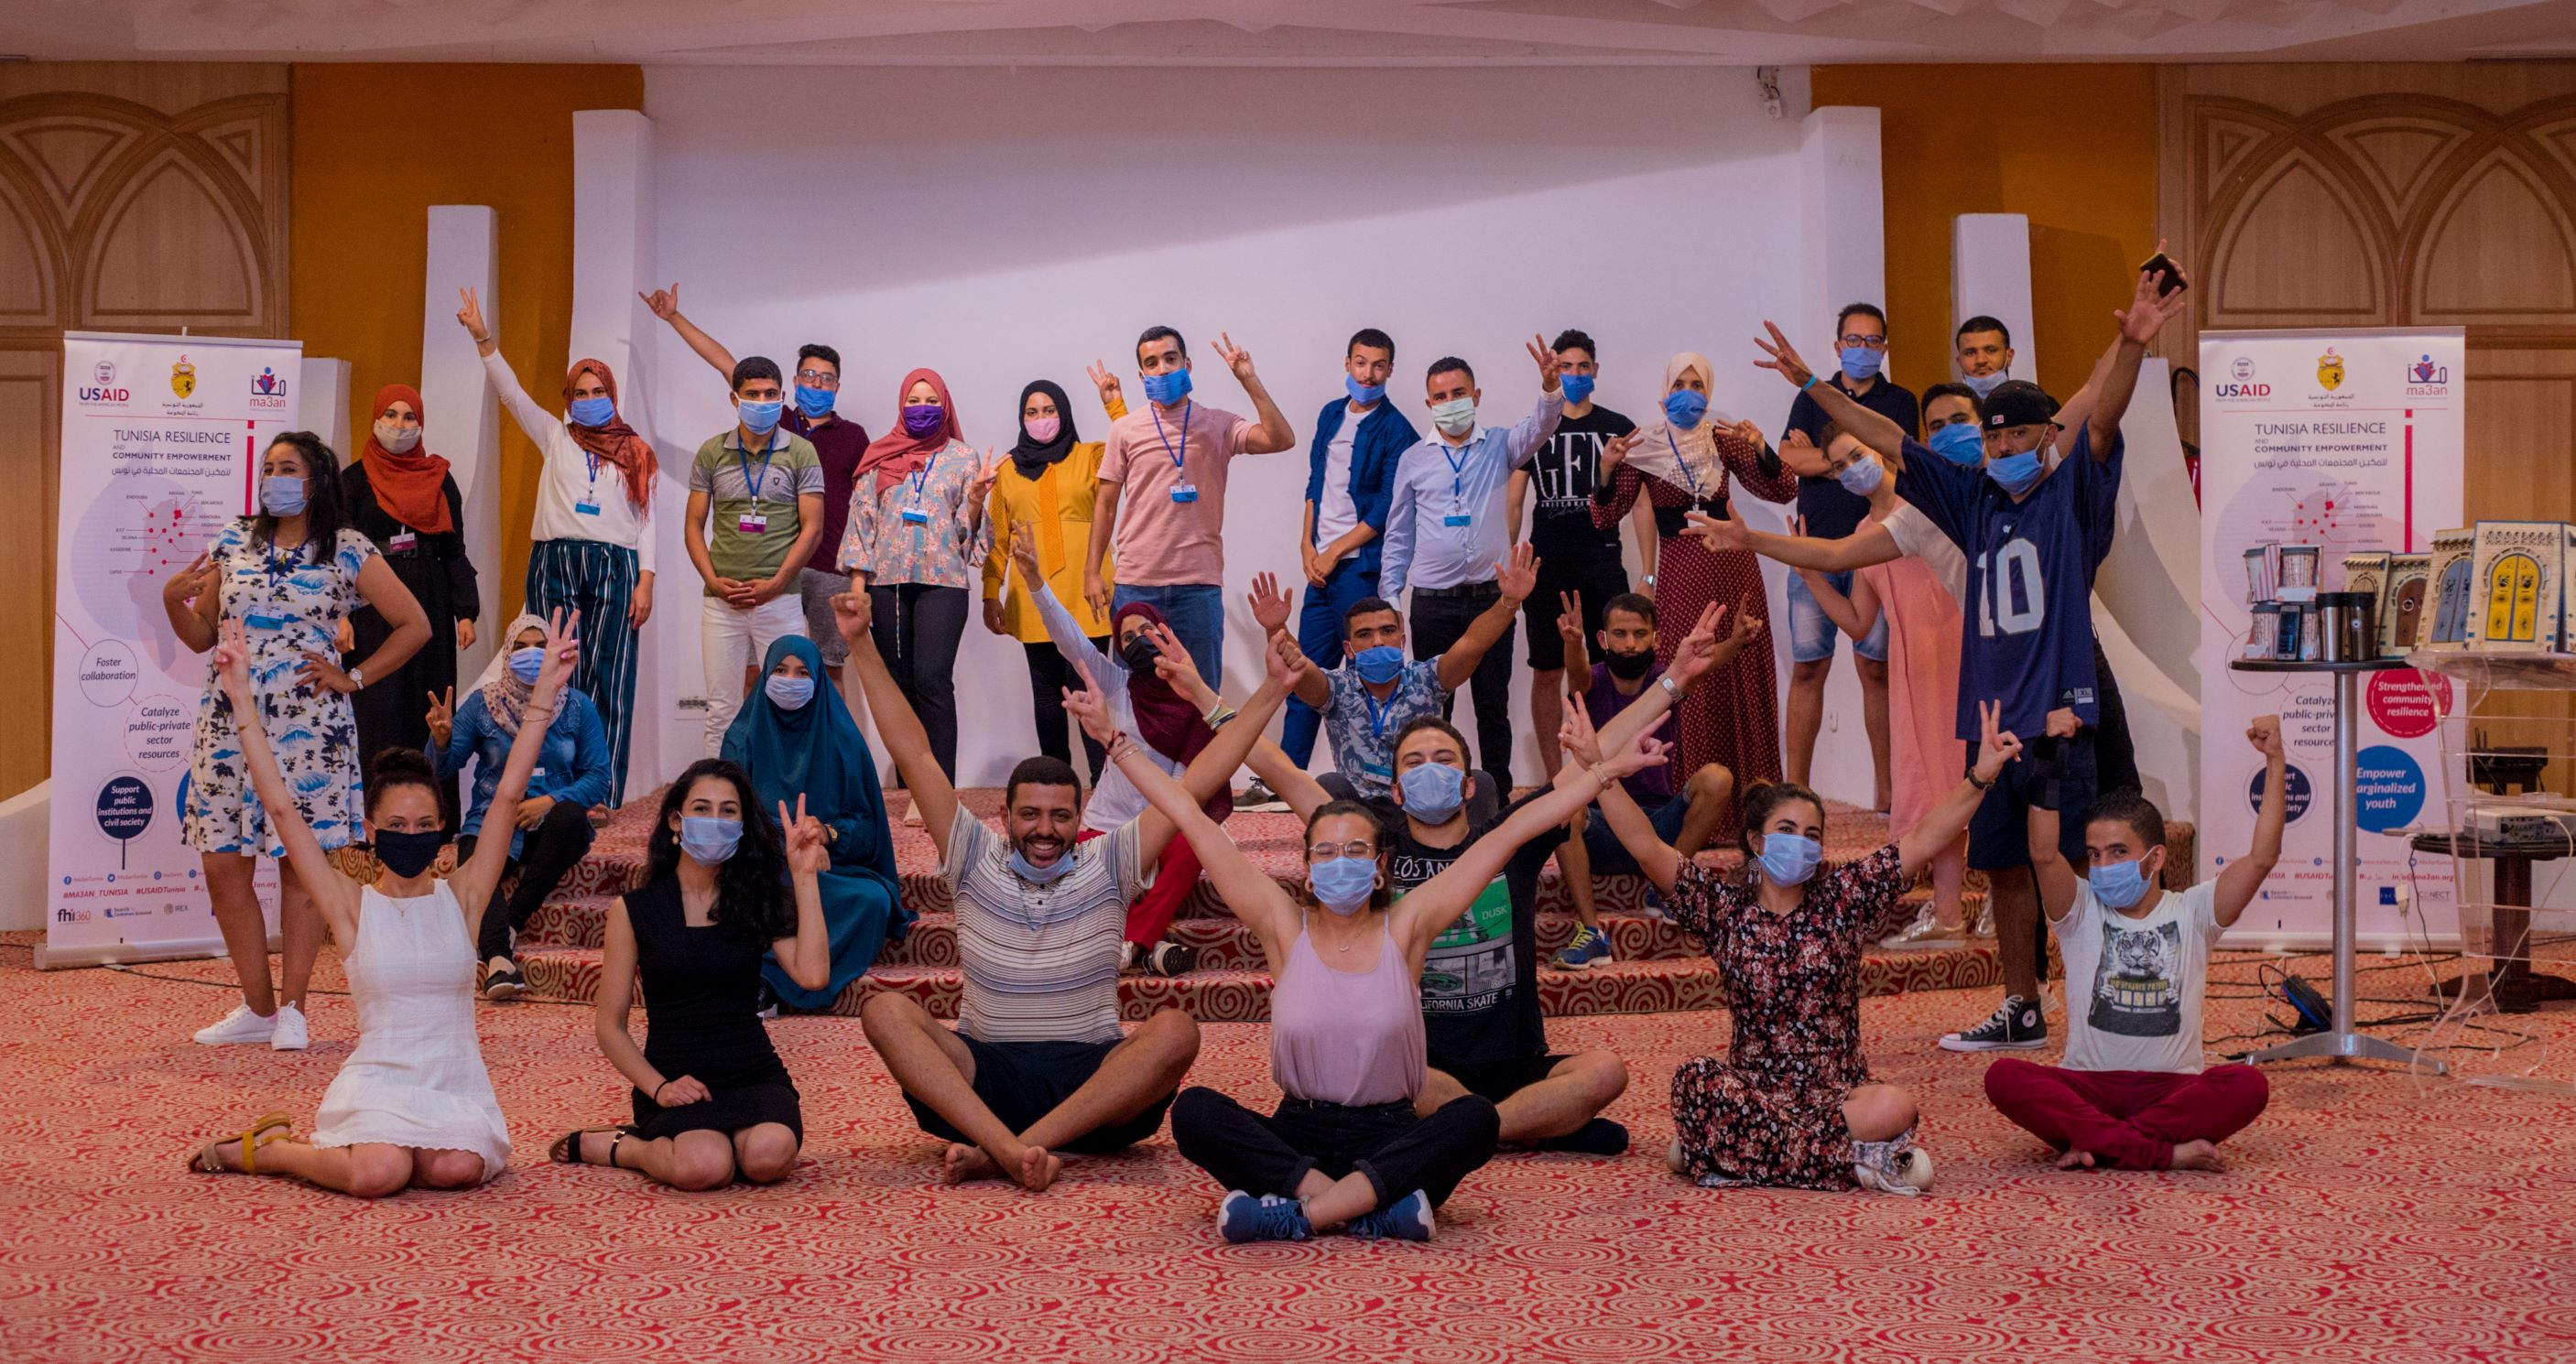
x=2299, y=793
x=2387, y=788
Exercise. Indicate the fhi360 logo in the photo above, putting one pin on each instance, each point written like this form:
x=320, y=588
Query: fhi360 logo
x=2241, y=385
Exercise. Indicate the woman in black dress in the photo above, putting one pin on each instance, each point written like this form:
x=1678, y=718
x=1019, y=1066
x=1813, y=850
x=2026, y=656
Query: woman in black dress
x=402, y=497
x=712, y=1099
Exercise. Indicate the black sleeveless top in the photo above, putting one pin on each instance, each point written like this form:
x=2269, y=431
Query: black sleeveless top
x=701, y=995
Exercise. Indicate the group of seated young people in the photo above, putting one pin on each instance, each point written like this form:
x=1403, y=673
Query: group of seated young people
x=1407, y=1036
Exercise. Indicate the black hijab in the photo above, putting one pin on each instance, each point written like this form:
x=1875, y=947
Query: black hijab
x=1032, y=457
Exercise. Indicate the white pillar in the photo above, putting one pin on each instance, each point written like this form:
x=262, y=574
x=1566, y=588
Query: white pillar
x=322, y=402
x=461, y=420
x=1990, y=277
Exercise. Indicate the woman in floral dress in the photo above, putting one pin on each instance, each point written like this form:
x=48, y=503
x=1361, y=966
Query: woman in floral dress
x=1792, y=1104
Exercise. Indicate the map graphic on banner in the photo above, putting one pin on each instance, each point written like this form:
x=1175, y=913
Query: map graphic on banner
x=2351, y=441
x=160, y=447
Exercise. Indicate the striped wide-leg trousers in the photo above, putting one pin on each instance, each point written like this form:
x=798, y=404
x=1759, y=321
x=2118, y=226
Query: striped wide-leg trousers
x=597, y=580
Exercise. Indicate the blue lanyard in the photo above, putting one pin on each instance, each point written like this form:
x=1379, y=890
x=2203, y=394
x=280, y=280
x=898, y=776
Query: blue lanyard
x=745, y=457
x=591, y=461
x=921, y=477
x=1377, y=714
x=1187, y=408
x=1457, y=469
x=1687, y=471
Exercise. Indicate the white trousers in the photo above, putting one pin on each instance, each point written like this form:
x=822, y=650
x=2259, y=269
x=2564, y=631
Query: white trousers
x=734, y=640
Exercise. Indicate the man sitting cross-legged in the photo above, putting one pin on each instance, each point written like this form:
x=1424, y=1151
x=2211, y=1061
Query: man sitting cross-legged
x=1037, y=1062
x=2132, y=1092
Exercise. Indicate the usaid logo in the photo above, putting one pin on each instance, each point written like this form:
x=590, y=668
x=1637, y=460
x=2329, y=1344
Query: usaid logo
x=2240, y=384
x=2424, y=379
x=102, y=389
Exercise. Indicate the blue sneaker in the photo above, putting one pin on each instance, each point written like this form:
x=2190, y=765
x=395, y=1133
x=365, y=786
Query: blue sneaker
x=1654, y=903
x=1406, y=1219
x=1242, y=1217
x=1590, y=944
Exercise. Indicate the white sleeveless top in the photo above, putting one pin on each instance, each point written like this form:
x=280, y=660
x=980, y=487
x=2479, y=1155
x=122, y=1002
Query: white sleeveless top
x=417, y=1078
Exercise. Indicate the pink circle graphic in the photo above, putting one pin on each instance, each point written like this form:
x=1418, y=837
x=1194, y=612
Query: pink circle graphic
x=2406, y=703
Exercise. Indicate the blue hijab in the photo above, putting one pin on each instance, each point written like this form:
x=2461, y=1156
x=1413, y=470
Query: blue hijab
x=818, y=752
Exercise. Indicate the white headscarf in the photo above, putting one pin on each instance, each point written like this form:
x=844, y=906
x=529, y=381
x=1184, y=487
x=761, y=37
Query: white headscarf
x=503, y=693
x=1686, y=459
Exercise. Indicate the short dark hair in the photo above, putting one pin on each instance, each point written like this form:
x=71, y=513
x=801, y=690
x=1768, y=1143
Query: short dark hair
x=1420, y=723
x=1371, y=337
x=1447, y=364
x=1573, y=338
x=1869, y=310
x=1762, y=798
x=1983, y=323
x=1367, y=606
x=1637, y=604
x=815, y=350
x=1040, y=771
x=1153, y=334
x=752, y=367
x=1946, y=390
x=397, y=767
x=2128, y=806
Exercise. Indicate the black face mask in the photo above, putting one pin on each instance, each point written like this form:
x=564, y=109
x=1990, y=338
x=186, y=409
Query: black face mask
x=408, y=855
x=1140, y=653
x=1628, y=667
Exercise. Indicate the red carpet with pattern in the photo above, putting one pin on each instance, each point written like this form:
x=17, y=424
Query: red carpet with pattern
x=2365, y=1218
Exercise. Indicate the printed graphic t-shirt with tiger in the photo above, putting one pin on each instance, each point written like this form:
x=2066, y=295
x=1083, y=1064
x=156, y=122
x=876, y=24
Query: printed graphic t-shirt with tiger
x=2134, y=986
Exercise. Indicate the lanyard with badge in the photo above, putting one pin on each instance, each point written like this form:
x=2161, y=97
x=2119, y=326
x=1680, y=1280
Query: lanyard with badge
x=912, y=513
x=1457, y=457
x=1182, y=489
x=589, y=503
x=755, y=521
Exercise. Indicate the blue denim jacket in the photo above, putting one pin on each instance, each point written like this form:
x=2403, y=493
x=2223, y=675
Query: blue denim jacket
x=1383, y=436
x=572, y=763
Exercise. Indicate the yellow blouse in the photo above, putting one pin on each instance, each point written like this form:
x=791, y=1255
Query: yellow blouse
x=1056, y=508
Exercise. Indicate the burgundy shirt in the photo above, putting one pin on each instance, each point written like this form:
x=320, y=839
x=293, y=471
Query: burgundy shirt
x=838, y=442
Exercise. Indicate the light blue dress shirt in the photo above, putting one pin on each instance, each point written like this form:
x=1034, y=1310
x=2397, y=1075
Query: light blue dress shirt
x=1446, y=526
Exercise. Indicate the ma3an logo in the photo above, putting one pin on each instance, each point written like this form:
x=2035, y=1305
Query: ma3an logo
x=102, y=387
x=2424, y=379
x=267, y=390
x=2240, y=383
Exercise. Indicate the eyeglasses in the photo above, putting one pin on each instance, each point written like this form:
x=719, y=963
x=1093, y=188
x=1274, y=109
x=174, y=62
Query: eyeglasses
x=818, y=378
x=1357, y=847
x=1851, y=339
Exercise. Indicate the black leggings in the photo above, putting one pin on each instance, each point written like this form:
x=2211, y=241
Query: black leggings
x=546, y=855
x=1396, y=1150
x=916, y=627
x=1049, y=674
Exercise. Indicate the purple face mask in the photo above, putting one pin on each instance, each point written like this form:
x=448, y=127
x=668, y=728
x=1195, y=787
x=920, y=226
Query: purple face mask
x=923, y=418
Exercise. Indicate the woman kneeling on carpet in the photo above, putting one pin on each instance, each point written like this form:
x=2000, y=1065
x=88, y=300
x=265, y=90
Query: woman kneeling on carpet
x=413, y=1104
x=712, y=1099
x=1792, y=1105
x=1345, y=1149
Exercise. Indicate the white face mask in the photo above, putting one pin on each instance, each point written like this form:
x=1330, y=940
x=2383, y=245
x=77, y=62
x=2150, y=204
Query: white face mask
x=1457, y=416
x=394, y=436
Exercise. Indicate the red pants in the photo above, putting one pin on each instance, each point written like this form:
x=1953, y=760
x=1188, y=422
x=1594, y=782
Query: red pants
x=1175, y=876
x=2131, y=1118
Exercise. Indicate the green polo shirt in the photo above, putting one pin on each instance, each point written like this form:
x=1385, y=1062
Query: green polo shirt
x=749, y=488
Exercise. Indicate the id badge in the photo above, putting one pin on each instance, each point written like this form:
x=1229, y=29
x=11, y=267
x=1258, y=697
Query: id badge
x=1185, y=492
x=536, y=773
x=585, y=508
x=753, y=523
x=402, y=543
x=1455, y=519
x=915, y=516
x=261, y=622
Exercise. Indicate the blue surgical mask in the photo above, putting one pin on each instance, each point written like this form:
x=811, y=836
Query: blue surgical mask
x=1860, y=362
x=1433, y=792
x=759, y=418
x=1380, y=665
x=1455, y=417
x=1789, y=859
x=710, y=841
x=2119, y=884
x=1983, y=384
x=281, y=494
x=591, y=411
x=1167, y=388
x=1861, y=477
x=791, y=693
x=1343, y=884
x=2016, y=474
x=1046, y=875
x=1361, y=393
x=526, y=663
x=815, y=403
x=1684, y=407
x=1961, y=443
x=1578, y=387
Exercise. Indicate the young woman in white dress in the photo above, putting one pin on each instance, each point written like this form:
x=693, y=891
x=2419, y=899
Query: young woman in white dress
x=413, y=1104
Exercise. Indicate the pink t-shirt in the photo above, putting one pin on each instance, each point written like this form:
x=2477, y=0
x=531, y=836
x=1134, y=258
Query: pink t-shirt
x=1163, y=543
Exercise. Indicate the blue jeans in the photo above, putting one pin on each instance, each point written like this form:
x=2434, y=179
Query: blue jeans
x=1811, y=631
x=1320, y=635
x=1196, y=613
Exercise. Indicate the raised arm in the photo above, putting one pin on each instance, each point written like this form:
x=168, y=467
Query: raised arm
x=1517, y=578
x=2239, y=880
x=2147, y=313
x=1578, y=653
x=665, y=304
x=474, y=881
x=1942, y=825
x=1868, y=427
x=334, y=894
x=896, y=723
x=1860, y=549
x=1214, y=767
x=806, y=957
x=1248, y=890
x=1699, y=651
x=1274, y=433
x=1628, y=821
x=1532, y=431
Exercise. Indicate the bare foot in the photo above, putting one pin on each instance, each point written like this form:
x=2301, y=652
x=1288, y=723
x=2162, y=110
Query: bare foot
x=2075, y=1160
x=965, y=1162
x=1038, y=1167
x=2197, y=1155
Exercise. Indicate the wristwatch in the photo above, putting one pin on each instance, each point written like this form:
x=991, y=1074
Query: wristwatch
x=358, y=676
x=1670, y=688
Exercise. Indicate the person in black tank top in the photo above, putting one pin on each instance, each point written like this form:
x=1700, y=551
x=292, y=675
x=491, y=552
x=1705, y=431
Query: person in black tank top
x=712, y=1099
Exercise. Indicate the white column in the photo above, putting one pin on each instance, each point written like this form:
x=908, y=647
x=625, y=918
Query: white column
x=461, y=420
x=1990, y=277
x=613, y=258
x=322, y=402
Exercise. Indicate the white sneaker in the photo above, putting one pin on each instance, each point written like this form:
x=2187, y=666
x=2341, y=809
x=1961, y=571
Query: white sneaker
x=238, y=1027
x=290, y=1034
x=1985, y=922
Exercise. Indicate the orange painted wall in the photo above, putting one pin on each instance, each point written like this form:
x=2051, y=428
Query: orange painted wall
x=374, y=147
x=2072, y=146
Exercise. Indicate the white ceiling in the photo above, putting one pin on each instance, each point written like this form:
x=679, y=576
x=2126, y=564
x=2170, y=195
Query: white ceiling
x=1286, y=32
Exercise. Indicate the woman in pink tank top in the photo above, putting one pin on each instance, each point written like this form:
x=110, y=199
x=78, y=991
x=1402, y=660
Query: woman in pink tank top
x=1345, y=1149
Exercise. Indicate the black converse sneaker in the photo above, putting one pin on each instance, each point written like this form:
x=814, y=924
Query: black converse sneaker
x=2016, y=1025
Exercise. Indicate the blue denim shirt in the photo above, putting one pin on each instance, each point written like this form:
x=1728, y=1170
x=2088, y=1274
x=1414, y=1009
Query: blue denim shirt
x=1383, y=437
x=572, y=763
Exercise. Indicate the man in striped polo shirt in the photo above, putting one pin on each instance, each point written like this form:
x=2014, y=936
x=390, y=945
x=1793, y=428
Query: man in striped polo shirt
x=1037, y=1063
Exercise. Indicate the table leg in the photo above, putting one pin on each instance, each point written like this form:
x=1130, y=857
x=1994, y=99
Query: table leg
x=2517, y=988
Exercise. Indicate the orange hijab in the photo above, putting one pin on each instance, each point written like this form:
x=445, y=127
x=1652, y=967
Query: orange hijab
x=613, y=442
x=411, y=488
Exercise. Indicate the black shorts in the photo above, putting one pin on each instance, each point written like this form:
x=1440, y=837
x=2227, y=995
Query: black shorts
x=1024, y=1081
x=1999, y=832
x=1496, y=1081
x=1597, y=582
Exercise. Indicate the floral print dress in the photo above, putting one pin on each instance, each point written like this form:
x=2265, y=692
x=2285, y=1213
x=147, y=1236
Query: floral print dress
x=1772, y=1111
x=287, y=603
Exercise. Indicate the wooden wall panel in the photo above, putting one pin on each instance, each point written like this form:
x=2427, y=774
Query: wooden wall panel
x=139, y=197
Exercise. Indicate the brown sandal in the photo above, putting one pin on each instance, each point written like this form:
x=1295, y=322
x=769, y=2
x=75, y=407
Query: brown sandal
x=266, y=1128
x=567, y=1148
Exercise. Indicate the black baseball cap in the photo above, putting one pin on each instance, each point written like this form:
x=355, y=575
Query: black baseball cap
x=2017, y=402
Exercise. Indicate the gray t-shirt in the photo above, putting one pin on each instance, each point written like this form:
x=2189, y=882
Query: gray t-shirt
x=2134, y=986
x=1041, y=960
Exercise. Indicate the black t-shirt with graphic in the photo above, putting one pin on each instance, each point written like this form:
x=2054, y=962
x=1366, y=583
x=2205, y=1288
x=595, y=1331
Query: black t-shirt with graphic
x=1480, y=1001
x=1562, y=472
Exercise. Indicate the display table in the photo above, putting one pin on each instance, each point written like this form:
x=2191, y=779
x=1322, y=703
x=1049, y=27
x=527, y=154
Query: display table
x=2341, y=1042
x=2515, y=987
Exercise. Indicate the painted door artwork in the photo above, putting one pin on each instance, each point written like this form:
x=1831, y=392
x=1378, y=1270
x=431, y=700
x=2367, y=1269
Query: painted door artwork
x=2451, y=604
x=2513, y=599
x=2410, y=609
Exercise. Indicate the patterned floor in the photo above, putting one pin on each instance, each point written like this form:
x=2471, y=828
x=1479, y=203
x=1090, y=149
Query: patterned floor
x=2367, y=1217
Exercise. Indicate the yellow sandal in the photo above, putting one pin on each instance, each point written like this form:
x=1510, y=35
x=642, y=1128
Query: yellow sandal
x=267, y=1128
